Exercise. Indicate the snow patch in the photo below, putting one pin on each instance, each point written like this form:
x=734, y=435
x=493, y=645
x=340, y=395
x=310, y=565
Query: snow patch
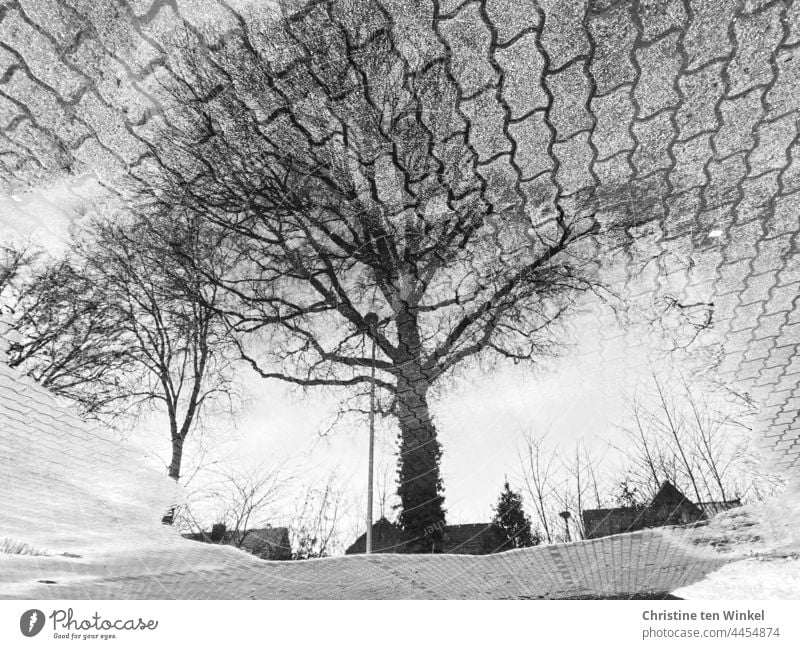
x=756, y=578
x=765, y=537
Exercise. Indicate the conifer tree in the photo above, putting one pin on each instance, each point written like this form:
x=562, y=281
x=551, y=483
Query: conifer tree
x=511, y=523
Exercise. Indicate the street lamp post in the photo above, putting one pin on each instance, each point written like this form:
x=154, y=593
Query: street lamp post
x=371, y=461
x=565, y=516
x=372, y=320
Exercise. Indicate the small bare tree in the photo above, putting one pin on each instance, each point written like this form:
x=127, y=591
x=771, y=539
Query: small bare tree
x=122, y=323
x=314, y=528
x=68, y=338
x=240, y=498
x=167, y=314
x=539, y=477
x=680, y=436
x=578, y=483
x=15, y=261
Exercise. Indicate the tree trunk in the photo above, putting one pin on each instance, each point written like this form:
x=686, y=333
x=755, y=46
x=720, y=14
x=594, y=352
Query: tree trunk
x=420, y=488
x=174, y=473
x=177, y=457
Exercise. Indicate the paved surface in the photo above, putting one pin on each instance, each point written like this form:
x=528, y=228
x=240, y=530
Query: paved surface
x=687, y=110
x=622, y=566
x=87, y=510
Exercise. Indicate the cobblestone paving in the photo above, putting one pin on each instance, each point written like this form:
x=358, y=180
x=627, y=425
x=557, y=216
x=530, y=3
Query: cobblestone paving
x=105, y=542
x=686, y=108
x=622, y=566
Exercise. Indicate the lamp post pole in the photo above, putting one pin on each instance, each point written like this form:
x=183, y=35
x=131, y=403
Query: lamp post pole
x=371, y=460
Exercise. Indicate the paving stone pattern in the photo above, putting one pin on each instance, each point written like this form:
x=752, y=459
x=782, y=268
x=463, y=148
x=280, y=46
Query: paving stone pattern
x=687, y=107
x=84, y=502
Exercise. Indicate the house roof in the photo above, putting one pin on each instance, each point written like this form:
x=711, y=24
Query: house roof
x=467, y=538
x=599, y=514
x=386, y=538
x=272, y=541
x=265, y=542
x=471, y=538
x=668, y=494
x=668, y=499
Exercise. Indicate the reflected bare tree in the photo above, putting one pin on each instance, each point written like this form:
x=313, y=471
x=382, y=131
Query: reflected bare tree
x=314, y=527
x=66, y=335
x=120, y=324
x=700, y=445
x=381, y=234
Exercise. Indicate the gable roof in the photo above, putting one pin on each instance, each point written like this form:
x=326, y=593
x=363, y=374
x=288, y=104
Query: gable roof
x=386, y=538
x=670, y=506
x=668, y=494
x=272, y=540
x=472, y=538
x=271, y=543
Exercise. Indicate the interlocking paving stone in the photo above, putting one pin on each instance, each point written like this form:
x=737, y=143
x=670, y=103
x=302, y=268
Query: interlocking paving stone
x=659, y=16
x=656, y=87
x=570, y=90
x=511, y=18
x=563, y=35
x=739, y=119
x=700, y=93
x=709, y=34
x=613, y=113
x=612, y=33
x=653, y=138
x=757, y=37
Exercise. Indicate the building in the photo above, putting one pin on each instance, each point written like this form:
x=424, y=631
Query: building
x=270, y=543
x=470, y=538
x=668, y=507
